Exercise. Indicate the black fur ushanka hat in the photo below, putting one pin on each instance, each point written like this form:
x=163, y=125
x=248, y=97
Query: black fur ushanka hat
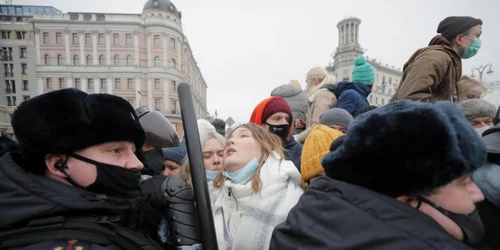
x=407, y=148
x=67, y=120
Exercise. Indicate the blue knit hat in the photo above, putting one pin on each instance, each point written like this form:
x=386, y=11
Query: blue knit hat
x=363, y=72
x=176, y=154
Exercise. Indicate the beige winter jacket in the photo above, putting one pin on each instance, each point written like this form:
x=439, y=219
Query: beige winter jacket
x=319, y=103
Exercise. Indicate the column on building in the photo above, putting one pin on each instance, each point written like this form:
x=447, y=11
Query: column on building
x=83, y=83
x=37, y=44
x=109, y=82
x=40, y=84
x=97, y=85
x=66, y=45
x=95, y=60
x=69, y=82
x=149, y=50
x=108, y=47
x=166, y=97
x=136, y=47
x=150, y=94
x=81, y=36
x=165, y=49
x=138, y=91
x=179, y=49
x=340, y=35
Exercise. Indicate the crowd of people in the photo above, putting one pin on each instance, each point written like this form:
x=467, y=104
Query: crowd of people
x=313, y=168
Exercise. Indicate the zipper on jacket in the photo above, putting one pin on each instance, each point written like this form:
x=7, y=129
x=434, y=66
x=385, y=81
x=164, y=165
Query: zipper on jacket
x=230, y=194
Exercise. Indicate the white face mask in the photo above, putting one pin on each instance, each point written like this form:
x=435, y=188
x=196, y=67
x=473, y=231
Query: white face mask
x=481, y=130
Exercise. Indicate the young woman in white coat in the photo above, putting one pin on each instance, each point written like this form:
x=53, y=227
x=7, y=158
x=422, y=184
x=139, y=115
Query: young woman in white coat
x=255, y=190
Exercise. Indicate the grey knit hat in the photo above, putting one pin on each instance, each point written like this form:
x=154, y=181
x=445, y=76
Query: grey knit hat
x=336, y=116
x=475, y=108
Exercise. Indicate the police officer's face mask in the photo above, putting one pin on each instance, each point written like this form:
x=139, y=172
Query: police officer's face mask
x=471, y=225
x=112, y=180
x=154, y=160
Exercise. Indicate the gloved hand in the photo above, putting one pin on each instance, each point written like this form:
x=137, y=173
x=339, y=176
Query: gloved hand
x=154, y=209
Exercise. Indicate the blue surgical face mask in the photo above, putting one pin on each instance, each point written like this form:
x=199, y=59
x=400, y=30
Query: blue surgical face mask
x=472, y=50
x=211, y=174
x=244, y=174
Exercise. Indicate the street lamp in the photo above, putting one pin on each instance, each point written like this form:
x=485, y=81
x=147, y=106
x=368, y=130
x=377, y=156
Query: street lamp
x=481, y=70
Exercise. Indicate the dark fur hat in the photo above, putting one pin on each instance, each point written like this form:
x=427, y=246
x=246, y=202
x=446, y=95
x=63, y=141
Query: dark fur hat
x=67, y=120
x=407, y=148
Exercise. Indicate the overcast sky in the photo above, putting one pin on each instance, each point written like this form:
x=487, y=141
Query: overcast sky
x=247, y=48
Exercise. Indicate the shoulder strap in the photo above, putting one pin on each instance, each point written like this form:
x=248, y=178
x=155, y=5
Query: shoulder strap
x=100, y=230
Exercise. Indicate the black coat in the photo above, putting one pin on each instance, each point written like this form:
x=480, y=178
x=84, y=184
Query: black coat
x=336, y=215
x=25, y=197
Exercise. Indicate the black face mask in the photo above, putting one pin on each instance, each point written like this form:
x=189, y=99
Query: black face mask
x=471, y=225
x=280, y=130
x=154, y=160
x=112, y=180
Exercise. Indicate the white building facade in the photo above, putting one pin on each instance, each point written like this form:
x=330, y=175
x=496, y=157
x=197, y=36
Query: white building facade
x=140, y=57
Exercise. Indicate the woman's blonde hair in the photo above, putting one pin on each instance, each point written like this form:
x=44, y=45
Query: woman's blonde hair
x=467, y=83
x=186, y=168
x=269, y=143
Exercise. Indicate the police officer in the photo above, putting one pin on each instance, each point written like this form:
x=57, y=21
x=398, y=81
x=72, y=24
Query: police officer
x=75, y=182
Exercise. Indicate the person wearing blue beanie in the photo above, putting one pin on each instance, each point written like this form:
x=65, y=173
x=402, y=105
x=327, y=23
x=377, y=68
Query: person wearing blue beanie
x=352, y=96
x=174, y=157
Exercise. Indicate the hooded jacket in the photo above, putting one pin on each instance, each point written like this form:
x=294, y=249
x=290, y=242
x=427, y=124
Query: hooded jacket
x=430, y=75
x=336, y=215
x=297, y=99
x=352, y=96
x=293, y=150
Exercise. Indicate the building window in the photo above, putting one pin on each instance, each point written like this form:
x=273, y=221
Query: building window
x=26, y=97
x=129, y=39
x=76, y=60
x=89, y=60
x=172, y=43
x=173, y=86
x=117, y=83
x=24, y=68
x=345, y=76
x=156, y=40
x=47, y=60
x=116, y=39
x=13, y=101
x=390, y=81
x=13, y=85
x=129, y=60
x=371, y=99
x=157, y=105
x=88, y=39
x=45, y=37
x=103, y=83
x=383, y=79
x=60, y=60
x=48, y=82
x=77, y=83
x=157, y=83
x=75, y=39
x=58, y=38
x=26, y=85
x=157, y=61
x=117, y=60
x=101, y=60
x=5, y=34
x=130, y=83
x=173, y=107
x=9, y=101
x=376, y=100
x=172, y=63
x=61, y=83
x=383, y=101
x=100, y=37
x=90, y=83
x=23, y=53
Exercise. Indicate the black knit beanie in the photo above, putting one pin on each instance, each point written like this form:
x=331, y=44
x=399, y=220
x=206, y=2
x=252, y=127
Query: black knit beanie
x=452, y=26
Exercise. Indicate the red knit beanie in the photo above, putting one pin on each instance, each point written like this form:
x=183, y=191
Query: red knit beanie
x=274, y=106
